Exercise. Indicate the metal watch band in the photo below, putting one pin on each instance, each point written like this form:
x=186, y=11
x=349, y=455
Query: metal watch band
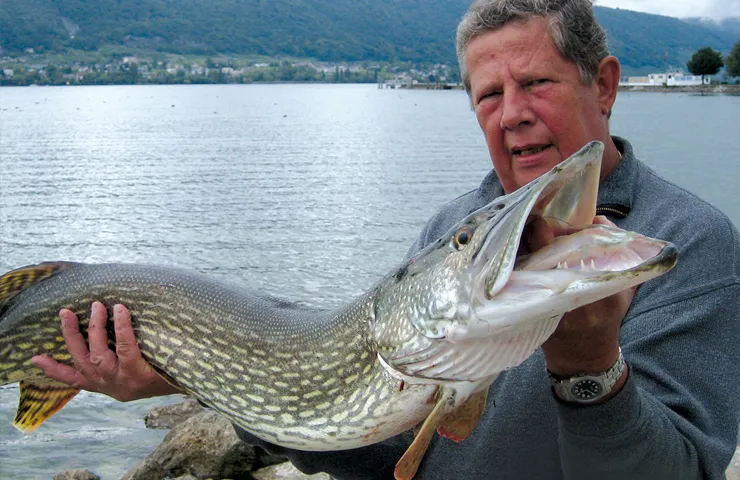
x=588, y=388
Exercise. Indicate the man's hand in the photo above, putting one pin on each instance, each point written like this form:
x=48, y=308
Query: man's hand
x=587, y=338
x=123, y=374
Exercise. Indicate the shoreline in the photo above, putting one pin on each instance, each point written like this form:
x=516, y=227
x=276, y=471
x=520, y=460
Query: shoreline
x=703, y=89
x=700, y=89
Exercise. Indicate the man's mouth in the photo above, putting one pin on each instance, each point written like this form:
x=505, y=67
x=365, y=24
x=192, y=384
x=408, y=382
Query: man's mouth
x=524, y=152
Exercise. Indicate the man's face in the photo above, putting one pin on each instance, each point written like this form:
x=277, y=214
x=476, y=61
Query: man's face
x=530, y=101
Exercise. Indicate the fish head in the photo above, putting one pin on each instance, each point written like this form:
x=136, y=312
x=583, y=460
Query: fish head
x=473, y=289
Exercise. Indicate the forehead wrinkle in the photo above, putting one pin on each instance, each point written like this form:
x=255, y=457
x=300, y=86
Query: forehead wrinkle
x=517, y=45
x=533, y=57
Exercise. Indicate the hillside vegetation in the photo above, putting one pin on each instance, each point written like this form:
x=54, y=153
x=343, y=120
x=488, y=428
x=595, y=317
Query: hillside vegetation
x=417, y=31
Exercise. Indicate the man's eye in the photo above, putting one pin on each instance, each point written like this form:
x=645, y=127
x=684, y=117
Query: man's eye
x=539, y=81
x=489, y=95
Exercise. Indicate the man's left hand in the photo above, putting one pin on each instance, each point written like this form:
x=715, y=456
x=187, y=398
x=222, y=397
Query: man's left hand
x=587, y=338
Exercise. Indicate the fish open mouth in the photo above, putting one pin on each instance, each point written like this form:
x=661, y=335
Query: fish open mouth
x=591, y=262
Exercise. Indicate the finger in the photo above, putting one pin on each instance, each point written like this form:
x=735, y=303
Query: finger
x=126, y=346
x=76, y=345
x=60, y=372
x=102, y=358
x=97, y=337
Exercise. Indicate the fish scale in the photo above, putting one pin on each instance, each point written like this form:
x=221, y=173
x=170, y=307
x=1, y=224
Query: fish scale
x=270, y=402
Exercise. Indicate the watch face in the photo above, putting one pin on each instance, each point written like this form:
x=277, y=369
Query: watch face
x=586, y=389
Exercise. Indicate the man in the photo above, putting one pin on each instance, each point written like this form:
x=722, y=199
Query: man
x=542, y=84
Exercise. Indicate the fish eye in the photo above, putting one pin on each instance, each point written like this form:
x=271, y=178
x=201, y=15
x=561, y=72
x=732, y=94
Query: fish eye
x=462, y=237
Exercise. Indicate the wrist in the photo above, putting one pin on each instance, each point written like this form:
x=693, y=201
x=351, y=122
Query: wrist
x=591, y=387
x=568, y=358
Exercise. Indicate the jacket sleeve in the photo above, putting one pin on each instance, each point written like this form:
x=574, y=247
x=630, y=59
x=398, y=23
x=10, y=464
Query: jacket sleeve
x=677, y=415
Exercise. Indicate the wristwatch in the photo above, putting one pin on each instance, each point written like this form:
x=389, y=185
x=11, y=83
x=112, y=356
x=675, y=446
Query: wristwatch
x=586, y=388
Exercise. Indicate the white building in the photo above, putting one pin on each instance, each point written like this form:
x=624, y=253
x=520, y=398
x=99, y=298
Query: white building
x=671, y=79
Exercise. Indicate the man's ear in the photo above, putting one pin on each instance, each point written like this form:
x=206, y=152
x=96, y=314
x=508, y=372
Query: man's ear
x=607, y=82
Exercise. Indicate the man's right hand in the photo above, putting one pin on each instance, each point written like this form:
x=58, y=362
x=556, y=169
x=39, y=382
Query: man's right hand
x=123, y=374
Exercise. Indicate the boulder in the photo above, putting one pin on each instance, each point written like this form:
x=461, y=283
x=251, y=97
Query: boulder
x=733, y=470
x=171, y=415
x=149, y=469
x=77, y=474
x=204, y=446
x=286, y=471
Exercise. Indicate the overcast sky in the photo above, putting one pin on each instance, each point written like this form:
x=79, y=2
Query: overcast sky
x=716, y=9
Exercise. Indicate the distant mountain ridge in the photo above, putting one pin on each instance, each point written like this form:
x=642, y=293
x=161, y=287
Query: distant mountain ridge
x=730, y=25
x=417, y=31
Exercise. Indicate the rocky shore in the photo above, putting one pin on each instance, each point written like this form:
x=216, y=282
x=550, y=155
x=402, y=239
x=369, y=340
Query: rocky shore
x=202, y=445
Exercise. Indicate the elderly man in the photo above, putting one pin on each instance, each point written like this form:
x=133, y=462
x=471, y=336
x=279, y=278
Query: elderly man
x=542, y=84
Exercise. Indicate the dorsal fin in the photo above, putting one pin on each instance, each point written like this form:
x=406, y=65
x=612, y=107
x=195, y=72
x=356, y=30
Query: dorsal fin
x=16, y=280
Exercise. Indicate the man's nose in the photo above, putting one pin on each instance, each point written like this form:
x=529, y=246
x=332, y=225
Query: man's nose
x=515, y=109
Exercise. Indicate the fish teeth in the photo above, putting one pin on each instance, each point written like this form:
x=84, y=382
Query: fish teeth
x=583, y=266
x=593, y=266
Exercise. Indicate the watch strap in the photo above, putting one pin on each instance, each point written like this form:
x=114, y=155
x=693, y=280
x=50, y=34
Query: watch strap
x=588, y=388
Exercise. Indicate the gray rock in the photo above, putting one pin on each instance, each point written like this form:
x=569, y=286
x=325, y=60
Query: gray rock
x=77, y=474
x=286, y=471
x=149, y=469
x=171, y=415
x=733, y=470
x=204, y=446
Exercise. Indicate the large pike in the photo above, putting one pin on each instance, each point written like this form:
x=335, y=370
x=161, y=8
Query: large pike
x=419, y=348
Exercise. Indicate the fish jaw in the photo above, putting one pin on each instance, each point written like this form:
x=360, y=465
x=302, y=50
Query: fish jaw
x=577, y=269
x=564, y=195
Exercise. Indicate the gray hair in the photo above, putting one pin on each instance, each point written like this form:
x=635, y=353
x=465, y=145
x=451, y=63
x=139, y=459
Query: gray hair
x=571, y=25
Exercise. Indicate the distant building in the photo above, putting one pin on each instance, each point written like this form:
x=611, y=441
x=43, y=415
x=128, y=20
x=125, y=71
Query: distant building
x=635, y=81
x=671, y=79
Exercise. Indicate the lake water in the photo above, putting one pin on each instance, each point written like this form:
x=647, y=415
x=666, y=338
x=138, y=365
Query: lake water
x=310, y=192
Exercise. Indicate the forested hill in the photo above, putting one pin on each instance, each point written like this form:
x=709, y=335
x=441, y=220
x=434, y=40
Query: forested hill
x=418, y=31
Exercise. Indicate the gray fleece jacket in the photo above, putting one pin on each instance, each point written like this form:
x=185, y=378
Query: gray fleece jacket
x=677, y=415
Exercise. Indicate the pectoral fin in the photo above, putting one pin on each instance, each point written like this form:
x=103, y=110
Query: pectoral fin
x=408, y=464
x=458, y=424
x=40, y=399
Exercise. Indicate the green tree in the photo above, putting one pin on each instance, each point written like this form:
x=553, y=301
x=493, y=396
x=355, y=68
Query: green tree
x=733, y=61
x=705, y=61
